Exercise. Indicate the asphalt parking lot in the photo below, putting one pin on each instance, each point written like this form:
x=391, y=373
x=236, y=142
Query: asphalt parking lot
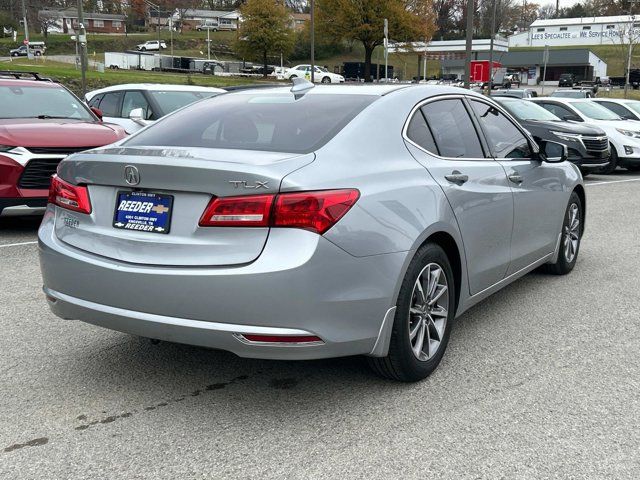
x=539, y=381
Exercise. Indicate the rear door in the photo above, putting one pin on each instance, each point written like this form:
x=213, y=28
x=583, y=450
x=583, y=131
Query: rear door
x=445, y=140
x=538, y=187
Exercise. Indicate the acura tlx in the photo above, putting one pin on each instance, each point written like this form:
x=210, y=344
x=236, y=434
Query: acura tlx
x=310, y=222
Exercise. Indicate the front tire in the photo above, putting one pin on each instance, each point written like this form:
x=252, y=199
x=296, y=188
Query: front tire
x=326, y=80
x=613, y=162
x=424, y=316
x=572, y=228
x=143, y=49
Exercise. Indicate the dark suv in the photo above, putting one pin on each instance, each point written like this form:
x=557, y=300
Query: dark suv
x=567, y=80
x=588, y=146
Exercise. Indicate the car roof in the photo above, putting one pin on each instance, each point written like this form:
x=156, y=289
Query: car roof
x=351, y=89
x=621, y=101
x=155, y=86
x=15, y=82
x=562, y=99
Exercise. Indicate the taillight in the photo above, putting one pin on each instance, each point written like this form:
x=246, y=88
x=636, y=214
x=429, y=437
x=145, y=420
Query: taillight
x=315, y=211
x=69, y=196
x=249, y=211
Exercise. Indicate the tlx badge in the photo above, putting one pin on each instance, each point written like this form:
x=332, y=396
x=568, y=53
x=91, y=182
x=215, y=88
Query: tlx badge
x=245, y=184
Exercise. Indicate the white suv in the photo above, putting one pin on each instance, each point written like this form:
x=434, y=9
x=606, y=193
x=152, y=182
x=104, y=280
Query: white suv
x=136, y=105
x=151, y=45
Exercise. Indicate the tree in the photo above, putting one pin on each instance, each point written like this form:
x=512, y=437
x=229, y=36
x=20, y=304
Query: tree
x=362, y=21
x=265, y=30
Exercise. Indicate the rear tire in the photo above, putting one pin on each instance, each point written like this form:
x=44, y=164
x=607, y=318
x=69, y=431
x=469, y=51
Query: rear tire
x=424, y=317
x=571, y=238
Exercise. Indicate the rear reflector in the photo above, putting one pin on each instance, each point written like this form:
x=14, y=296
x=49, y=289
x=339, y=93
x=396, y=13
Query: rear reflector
x=282, y=338
x=315, y=211
x=69, y=196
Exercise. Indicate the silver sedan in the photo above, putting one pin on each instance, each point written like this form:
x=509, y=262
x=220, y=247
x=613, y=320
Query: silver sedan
x=310, y=222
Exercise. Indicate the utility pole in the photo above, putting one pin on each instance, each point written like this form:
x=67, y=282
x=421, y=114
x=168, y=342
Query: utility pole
x=26, y=28
x=81, y=36
x=493, y=29
x=630, y=35
x=467, y=60
x=386, y=50
x=545, y=59
x=208, y=43
x=313, y=39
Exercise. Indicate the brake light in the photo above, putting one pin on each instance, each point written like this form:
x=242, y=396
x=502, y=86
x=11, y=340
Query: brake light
x=69, y=196
x=247, y=211
x=315, y=211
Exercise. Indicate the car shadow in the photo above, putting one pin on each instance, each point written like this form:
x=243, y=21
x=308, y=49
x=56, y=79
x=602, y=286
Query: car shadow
x=20, y=225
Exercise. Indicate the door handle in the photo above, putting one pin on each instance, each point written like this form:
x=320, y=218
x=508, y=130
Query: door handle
x=457, y=177
x=515, y=178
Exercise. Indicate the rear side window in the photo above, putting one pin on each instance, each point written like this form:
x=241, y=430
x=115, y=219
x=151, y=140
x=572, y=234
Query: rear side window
x=95, y=101
x=418, y=132
x=276, y=122
x=453, y=130
x=110, y=104
x=505, y=139
x=617, y=108
x=133, y=100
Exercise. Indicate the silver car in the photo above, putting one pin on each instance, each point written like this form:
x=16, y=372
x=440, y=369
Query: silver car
x=307, y=223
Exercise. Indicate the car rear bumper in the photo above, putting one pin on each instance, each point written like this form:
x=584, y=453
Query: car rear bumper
x=302, y=284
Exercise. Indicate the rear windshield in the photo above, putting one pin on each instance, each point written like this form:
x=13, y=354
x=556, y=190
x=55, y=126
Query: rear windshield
x=275, y=122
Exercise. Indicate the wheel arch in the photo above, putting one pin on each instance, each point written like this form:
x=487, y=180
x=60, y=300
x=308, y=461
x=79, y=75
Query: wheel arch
x=450, y=247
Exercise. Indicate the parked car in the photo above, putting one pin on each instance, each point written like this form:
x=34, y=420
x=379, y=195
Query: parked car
x=573, y=93
x=212, y=25
x=274, y=224
x=624, y=135
x=21, y=51
x=515, y=92
x=588, y=147
x=567, y=80
x=41, y=122
x=151, y=45
x=626, y=109
x=136, y=105
x=322, y=75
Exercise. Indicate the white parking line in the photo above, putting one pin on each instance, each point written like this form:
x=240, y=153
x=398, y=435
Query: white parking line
x=613, y=181
x=17, y=244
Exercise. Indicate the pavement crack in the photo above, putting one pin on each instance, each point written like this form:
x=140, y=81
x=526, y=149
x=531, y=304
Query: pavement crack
x=36, y=442
x=149, y=408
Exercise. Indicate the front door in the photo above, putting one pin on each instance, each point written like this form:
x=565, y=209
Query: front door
x=537, y=187
x=444, y=139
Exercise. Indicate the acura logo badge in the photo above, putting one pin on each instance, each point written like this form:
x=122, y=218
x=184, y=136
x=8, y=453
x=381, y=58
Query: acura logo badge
x=131, y=175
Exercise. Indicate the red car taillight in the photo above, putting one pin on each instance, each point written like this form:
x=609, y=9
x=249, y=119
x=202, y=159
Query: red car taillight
x=315, y=211
x=69, y=196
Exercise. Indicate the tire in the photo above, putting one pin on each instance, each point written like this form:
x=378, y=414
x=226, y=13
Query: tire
x=14, y=54
x=143, y=49
x=292, y=77
x=326, y=80
x=37, y=54
x=402, y=363
x=571, y=238
x=613, y=162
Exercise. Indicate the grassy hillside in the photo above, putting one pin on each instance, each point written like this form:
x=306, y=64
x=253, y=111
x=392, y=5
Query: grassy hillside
x=69, y=76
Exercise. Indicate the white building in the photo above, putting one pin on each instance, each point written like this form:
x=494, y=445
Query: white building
x=561, y=32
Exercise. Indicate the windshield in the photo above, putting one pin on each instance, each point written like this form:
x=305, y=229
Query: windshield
x=595, y=111
x=170, y=101
x=276, y=122
x=635, y=106
x=525, y=110
x=27, y=101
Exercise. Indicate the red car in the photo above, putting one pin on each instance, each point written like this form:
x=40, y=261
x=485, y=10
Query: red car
x=41, y=122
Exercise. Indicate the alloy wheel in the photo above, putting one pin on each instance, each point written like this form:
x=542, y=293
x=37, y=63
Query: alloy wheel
x=572, y=233
x=428, y=311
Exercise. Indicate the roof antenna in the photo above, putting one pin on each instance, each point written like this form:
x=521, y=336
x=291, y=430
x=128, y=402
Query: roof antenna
x=300, y=87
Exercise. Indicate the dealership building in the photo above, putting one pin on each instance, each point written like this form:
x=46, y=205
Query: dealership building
x=584, y=31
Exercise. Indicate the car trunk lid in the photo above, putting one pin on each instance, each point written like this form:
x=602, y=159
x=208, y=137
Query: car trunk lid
x=191, y=177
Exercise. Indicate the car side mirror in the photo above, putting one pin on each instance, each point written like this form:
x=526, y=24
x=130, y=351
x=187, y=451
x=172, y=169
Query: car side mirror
x=137, y=115
x=97, y=112
x=552, y=152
